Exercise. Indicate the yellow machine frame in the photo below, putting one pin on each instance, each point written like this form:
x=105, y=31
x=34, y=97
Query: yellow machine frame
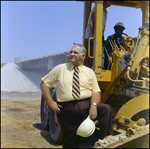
x=104, y=77
x=130, y=99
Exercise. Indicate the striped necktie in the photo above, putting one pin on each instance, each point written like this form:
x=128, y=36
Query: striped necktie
x=76, y=84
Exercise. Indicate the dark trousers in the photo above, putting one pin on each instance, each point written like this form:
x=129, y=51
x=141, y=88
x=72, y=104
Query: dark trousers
x=74, y=112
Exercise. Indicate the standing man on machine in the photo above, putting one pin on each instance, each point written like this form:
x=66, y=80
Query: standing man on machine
x=90, y=27
x=116, y=37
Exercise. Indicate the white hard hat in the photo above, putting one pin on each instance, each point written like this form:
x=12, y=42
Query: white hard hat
x=86, y=128
x=119, y=24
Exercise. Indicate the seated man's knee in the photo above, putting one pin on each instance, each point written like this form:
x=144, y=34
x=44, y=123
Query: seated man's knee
x=105, y=107
x=109, y=108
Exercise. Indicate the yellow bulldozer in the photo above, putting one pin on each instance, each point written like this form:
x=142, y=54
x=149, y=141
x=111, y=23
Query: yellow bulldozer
x=125, y=86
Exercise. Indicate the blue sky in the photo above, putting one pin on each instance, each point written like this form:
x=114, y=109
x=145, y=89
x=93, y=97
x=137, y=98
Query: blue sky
x=32, y=29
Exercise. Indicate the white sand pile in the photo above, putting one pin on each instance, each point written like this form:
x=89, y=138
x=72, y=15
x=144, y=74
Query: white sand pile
x=15, y=83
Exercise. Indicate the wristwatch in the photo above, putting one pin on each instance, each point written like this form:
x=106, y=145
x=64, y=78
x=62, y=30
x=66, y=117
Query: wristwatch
x=94, y=103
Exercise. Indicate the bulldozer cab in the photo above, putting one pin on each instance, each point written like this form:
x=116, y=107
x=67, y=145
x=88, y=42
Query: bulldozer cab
x=104, y=77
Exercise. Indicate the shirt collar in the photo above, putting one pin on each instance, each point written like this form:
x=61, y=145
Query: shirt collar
x=79, y=67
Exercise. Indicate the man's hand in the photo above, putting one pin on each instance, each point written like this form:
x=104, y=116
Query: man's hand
x=93, y=112
x=93, y=108
x=47, y=96
x=55, y=106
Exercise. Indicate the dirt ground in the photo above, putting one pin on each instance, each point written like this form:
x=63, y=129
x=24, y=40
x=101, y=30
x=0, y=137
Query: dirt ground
x=21, y=126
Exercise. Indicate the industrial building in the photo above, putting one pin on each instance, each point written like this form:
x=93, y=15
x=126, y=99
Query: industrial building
x=21, y=79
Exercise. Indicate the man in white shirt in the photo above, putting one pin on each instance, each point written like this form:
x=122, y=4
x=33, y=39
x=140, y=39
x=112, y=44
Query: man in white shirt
x=71, y=111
